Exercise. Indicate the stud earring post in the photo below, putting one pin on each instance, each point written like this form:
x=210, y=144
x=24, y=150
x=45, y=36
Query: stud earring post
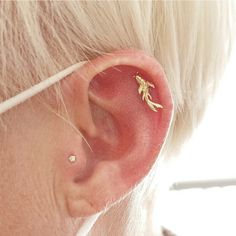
x=72, y=158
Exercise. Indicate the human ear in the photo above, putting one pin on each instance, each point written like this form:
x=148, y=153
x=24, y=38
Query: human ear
x=122, y=135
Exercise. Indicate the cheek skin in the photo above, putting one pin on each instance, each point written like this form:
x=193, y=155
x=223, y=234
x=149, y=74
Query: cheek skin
x=29, y=189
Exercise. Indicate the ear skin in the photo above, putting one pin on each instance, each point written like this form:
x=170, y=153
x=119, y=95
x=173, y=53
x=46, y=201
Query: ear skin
x=125, y=135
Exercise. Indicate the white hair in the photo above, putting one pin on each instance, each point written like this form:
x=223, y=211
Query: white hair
x=190, y=39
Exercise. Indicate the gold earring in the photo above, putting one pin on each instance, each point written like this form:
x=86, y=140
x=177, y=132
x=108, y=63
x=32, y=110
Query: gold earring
x=144, y=88
x=72, y=158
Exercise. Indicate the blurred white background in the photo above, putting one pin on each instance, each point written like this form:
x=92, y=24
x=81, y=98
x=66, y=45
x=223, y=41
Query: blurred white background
x=209, y=155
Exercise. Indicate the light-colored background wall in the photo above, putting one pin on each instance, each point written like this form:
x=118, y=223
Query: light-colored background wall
x=209, y=155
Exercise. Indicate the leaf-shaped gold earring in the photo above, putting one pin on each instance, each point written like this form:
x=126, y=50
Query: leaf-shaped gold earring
x=143, y=89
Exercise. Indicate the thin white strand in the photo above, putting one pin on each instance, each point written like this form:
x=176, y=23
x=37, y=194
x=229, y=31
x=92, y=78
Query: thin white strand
x=88, y=225
x=37, y=88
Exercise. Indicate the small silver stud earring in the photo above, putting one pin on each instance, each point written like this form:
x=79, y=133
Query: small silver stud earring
x=72, y=158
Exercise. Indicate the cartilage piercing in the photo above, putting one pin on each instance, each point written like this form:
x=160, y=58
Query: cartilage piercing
x=143, y=89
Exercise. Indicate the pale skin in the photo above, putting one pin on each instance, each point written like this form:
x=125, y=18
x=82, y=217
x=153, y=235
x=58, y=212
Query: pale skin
x=41, y=191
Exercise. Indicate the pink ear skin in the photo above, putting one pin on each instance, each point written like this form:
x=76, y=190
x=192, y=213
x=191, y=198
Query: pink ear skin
x=125, y=135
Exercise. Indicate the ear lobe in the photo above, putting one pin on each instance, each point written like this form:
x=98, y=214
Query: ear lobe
x=124, y=134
